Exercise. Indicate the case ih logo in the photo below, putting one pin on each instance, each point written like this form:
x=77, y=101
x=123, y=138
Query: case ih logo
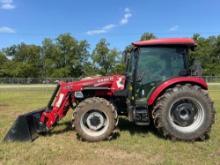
x=105, y=79
x=120, y=83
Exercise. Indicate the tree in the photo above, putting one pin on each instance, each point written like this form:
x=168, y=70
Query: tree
x=207, y=52
x=3, y=61
x=215, y=55
x=83, y=59
x=66, y=57
x=147, y=36
x=50, y=58
x=25, y=61
x=104, y=58
x=89, y=69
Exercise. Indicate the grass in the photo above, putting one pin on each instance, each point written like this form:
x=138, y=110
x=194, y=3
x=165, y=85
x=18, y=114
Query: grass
x=135, y=145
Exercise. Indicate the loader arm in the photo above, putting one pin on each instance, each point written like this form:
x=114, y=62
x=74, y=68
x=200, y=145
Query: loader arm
x=29, y=125
x=64, y=96
x=58, y=106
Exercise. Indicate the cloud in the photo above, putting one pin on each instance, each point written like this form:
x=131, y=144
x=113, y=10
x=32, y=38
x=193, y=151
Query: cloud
x=5, y=29
x=107, y=28
x=98, y=31
x=7, y=4
x=127, y=10
x=126, y=17
x=174, y=28
x=102, y=30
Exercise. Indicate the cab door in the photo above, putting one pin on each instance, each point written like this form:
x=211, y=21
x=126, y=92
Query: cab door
x=155, y=65
x=131, y=61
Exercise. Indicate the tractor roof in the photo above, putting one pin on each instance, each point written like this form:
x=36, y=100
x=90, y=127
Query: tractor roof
x=166, y=41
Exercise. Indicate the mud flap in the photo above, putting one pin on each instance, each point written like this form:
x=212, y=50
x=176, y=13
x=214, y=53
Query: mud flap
x=25, y=127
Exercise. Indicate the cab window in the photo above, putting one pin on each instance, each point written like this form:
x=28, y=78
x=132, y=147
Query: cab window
x=160, y=63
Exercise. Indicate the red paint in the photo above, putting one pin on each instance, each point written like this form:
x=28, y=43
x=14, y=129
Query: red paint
x=61, y=102
x=177, y=80
x=166, y=41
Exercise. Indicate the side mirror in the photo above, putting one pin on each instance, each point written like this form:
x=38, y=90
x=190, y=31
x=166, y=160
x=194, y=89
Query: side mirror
x=196, y=68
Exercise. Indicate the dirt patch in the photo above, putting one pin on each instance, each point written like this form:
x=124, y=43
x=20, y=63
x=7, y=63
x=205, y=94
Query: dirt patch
x=216, y=153
x=4, y=105
x=129, y=157
x=119, y=154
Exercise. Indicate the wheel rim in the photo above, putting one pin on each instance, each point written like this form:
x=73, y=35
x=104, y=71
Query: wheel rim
x=186, y=115
x=94, y=123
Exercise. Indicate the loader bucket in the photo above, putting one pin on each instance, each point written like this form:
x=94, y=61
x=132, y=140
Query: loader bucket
x=25, y=127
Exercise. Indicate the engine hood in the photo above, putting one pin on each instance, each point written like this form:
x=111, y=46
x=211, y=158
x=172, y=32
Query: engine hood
x=113, y=83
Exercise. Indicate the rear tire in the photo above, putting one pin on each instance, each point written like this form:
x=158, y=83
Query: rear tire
x=184, y=112
x=95, y=119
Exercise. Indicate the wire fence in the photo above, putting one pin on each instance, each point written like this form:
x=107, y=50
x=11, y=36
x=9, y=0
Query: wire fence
x=35, y=80
x=212, y=79
x=209, y=79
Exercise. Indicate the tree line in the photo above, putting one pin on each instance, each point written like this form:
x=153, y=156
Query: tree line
x=66, y=56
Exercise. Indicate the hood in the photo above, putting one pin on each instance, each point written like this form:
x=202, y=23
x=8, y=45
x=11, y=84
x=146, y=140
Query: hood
x=114, y=82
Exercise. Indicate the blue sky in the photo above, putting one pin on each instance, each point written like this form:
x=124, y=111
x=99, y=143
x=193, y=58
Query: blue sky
x=119, y=21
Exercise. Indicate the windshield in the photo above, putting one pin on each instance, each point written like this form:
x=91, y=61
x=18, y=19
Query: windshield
x=160, y=63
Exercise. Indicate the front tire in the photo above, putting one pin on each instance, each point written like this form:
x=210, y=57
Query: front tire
x=184, y=112
x=95, y=119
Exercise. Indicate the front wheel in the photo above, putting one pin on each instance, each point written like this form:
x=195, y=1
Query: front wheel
x=95, y=119
x=184, y=112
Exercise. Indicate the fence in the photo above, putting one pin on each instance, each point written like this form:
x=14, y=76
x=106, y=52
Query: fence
x=209, y=79
x=212, y=79
x=34, y=80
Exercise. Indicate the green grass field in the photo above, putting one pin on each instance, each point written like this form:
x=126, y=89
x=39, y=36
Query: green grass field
x=135, y=145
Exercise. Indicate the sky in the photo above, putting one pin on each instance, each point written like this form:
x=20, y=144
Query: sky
x=119, y=21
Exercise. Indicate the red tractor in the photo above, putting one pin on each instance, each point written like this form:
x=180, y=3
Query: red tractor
x=156, y=88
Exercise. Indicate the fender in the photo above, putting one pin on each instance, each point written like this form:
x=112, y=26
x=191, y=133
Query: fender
x=177, y=80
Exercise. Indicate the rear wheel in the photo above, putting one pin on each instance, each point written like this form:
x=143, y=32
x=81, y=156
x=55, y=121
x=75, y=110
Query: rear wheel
x=95, y=119
x=184, y=112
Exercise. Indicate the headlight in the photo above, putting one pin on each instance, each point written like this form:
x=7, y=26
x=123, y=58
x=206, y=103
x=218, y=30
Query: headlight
x=78, y=95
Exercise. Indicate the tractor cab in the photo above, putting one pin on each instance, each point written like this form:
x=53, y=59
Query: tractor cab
x=150, y=63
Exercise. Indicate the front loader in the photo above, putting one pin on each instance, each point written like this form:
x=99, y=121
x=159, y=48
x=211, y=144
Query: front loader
x=156, y=88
